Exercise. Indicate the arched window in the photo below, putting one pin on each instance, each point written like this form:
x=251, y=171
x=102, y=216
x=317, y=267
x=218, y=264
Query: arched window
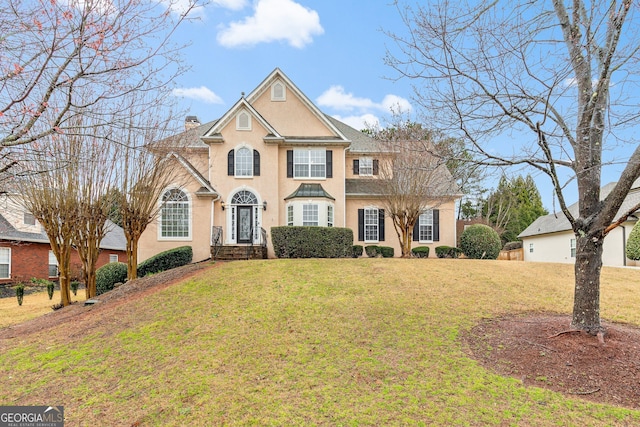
x=244, y=197
x=175, y=216
x=244, y=162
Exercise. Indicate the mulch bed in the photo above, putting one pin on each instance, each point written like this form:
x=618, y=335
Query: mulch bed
x=543, y=351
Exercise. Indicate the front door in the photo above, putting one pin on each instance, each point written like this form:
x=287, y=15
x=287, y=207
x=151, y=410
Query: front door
x=245, y=224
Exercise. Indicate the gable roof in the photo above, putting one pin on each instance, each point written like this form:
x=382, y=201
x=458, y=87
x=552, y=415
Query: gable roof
x=114, y=239
x=558, y=222
x=242, y=103
x=278, y=74
x=206, y=188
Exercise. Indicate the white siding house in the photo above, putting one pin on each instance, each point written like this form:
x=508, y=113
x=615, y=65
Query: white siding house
x=550, y=238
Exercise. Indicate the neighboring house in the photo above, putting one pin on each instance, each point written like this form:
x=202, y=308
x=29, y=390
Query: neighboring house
x=551, y=239
x=274, y=159
x=25, y=251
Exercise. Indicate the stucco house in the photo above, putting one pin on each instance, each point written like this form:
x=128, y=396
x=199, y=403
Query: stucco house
x=550, y=238
x=275, y=159
x=25, y=251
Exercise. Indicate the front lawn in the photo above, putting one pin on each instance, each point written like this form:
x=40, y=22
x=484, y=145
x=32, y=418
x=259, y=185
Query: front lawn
x=309, y=342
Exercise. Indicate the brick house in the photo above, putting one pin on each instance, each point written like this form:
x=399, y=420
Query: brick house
x=25, y=251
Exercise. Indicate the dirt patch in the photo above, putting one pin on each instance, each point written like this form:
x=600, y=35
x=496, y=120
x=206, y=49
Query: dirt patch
x=101, y=312
x=543, y=351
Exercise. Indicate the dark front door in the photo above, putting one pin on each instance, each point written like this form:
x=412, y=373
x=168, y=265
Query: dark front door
x=245, y=224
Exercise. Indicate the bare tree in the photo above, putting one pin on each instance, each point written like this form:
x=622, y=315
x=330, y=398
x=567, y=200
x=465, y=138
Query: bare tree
x=95, y=180
x=147, y=168
x=413, y=177
x=560, y=78
x=48, y=191
x=64, y=59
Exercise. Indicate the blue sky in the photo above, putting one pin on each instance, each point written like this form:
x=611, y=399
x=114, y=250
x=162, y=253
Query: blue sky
x=332, y=50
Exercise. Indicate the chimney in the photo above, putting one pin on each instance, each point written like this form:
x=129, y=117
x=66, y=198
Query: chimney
x=191, y=122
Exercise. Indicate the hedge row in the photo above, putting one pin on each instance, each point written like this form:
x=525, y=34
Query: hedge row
x=312, y=242
x=166, y=260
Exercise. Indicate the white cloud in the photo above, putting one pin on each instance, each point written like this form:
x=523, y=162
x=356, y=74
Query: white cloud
x=273, y=20
x=231, y=4
x=201, y=93
x=360, y=122
x=336, y=97
x=182, y=7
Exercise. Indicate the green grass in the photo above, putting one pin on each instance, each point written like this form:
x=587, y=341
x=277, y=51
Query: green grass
x=351, y=342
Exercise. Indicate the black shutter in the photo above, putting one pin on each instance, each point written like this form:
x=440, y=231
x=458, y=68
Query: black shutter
x=416, y=231
x=230, y=167
x=375, y=166
x=381, y=225
x=360, y=225
x=436, y=225
x=256, y=163
x=329, y=159
x=289, y=163
x=356, y=167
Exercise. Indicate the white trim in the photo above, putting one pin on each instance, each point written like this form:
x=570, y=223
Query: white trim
x=274, y=96
x=377, y=224
x=231, y=215
x=8, y=250
x=189, y=236
x=241, y=126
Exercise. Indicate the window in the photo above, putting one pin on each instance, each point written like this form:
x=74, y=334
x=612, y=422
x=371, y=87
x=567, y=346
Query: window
x=309, y=163
x=290, y=215
x=244, y=164
x=174, y=215
x=29, y=219
x=530, y=247
x=53, y=265
x=573, y=248
x=243, y=121
x=365, y=166
x=309, y=215
x=113, y=258
x=329, y=215
x=371, y=225
x=425, y=227
x=278, y=92
x=5, y=263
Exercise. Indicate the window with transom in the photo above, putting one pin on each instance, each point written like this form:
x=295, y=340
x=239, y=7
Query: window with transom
x=175, y=215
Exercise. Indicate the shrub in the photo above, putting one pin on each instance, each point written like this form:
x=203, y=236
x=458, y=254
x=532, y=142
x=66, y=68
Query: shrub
x=386, y=251
x=108, y=275
x=633, y=244
x=74, y=287
x=50, y=288
x=166, y=260
x=20, y=292
x=447, y=252
x=372, y=250
x=510, y=246
x=357, y=251
x=480, y=241
x=312, y=242
x=421, y=251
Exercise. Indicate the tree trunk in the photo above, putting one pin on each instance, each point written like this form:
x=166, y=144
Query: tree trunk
x=406, y=241
x=64, y=279
x=132, y=258
x=586, y=301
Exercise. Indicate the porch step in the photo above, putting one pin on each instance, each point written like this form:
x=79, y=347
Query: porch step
x=230, y=253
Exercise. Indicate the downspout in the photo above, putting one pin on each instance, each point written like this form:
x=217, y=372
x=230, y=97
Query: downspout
x=344, y=187
x=624, y=245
